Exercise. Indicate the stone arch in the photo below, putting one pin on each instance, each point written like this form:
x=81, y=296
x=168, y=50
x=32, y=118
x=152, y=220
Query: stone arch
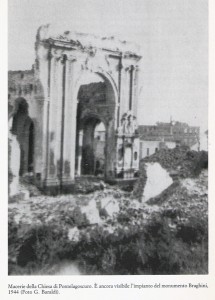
x=98, y=110
x=108, y=79
x=100, y=72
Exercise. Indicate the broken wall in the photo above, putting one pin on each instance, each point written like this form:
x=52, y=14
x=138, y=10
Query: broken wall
x=23, y=86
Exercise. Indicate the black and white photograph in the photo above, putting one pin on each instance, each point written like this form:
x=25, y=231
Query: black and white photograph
x=108, y=137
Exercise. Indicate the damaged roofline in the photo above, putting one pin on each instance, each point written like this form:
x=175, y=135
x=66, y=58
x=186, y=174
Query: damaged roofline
x=77, y=45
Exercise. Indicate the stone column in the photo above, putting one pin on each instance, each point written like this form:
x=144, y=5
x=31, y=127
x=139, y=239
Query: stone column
x=54, y=126
x=119, y=155
x=80, y=147
x=110, y=151
x=120, y=67
x=42, y=74
x=45, y=140
x=69, y=142
x=131, y=87
x=124, y=91
x=135, y=90
x=136, y=154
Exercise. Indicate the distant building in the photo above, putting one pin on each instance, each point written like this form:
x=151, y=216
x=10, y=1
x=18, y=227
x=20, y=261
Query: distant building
x=167, y=135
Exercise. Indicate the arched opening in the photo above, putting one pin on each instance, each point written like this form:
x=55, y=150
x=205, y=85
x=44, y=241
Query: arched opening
x=93, y=149
x=23, y=128
x=95, y=135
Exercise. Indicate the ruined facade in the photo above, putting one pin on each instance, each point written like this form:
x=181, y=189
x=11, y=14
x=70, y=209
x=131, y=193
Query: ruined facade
x=77, y=82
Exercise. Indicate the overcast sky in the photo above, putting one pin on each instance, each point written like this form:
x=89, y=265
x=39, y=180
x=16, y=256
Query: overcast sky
x=172, y=34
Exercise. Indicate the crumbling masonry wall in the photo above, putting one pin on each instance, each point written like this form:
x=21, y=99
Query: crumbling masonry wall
x=25, y=89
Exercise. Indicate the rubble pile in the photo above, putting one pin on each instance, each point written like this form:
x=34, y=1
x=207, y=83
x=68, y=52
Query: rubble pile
x=158, y=180
x=184, y=199
x=103, y=231
x=75, y=215
x=180, y=161
x=88, y=184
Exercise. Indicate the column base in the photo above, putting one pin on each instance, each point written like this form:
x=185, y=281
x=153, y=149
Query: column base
x=53, y=186
x=126, y=184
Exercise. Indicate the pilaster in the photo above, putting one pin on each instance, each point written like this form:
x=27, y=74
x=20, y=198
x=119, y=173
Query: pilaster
x=69, y=142
x=54, y=122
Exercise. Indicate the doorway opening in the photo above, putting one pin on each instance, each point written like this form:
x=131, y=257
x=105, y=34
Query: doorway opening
x=95, y=128
x=91, y=148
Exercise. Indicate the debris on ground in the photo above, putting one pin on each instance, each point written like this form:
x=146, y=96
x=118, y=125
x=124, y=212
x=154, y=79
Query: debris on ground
x=182, y=160
x=99, y=232
x=179, y=162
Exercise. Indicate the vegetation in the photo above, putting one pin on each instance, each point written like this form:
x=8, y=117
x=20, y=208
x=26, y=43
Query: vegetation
x=162, y=245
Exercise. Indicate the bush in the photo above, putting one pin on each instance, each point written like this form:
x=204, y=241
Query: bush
x=42, y=246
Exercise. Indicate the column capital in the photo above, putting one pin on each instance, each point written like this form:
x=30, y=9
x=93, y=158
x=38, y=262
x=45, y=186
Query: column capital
x=137, y=68
x=63, y=58
x=71, y=58
x=49, y=54
x=129, y=68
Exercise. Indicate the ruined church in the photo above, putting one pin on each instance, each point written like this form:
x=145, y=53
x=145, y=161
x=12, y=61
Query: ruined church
x=75, y=112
